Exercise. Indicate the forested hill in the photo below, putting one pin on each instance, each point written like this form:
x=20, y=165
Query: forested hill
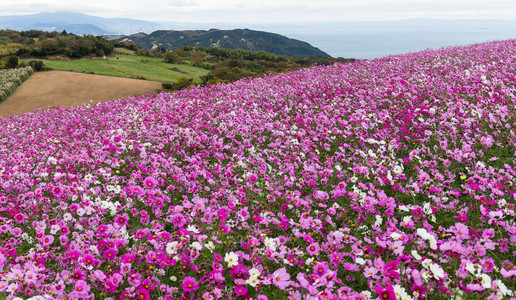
x=232, y=39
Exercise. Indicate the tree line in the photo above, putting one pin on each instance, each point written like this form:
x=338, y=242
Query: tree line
x=37, y=43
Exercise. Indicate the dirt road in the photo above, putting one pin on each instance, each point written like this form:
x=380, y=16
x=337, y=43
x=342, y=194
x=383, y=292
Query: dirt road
x=59, y=88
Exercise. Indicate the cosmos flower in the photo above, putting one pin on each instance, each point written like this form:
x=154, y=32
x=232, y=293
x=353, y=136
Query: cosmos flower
x=190, y=284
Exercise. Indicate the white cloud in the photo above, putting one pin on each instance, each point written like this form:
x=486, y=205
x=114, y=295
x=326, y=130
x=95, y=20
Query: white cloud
x=269, y=11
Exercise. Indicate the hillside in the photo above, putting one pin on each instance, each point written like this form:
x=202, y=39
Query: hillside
x=77, y=23
x=393, y=178
x=231, y=39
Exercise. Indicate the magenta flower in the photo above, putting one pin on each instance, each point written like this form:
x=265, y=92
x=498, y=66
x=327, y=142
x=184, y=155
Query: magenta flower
x=387, y=293
x=240, y=290
x=88, y=259
x=320, y=269
x=178, y=220
x=121, y=220
x=20, y=217
x=143, y=294
x=150, y=182
x=280, y=278
x=128, y=258
x=190, y=284
x=110, y=254
x=253, y=177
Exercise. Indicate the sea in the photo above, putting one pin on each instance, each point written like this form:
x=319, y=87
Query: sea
x=368, y=40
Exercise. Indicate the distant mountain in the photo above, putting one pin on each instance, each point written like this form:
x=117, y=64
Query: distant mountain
x=231, y=39
x=77, y=23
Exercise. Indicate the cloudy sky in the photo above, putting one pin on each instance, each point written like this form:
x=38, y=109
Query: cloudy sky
x=268, y=11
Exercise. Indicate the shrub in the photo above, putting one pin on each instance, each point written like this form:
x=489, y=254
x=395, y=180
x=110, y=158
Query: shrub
x=10, y=79
x=12, y=62
x=181, y=84
x=36, y=65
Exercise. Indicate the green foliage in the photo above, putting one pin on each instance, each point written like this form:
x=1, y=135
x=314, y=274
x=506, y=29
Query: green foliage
x=36, y=43
x=37, y=65
x=180, y=84
x=170, y=57
x=10, y=79
x=11, y=62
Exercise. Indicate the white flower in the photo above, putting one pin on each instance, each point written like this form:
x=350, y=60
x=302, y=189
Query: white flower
x=423, y=233
x=271, y=243
x=415, y=255
x=426, y=263
x=503, y=289
x=360, y=261
x=395, y=236
x=172, y=247
x=192, y=228
x=209, y=245
x=253, y=281
x=366, y=294
x=173, y=278
x=196, y=245
x=425, y=275
x=433, y=243
x=437, y=270
x=473, y=268
x=378, y=221
x=231, y=258
x=486, y=281
x=400, y=292
x=254, y=272
x=397, y=169
x=404, y=208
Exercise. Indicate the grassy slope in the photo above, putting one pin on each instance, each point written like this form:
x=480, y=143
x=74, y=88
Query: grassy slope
x=130, y=67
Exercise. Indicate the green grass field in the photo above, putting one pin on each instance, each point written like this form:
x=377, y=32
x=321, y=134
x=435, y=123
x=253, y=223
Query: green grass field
x=130, y=66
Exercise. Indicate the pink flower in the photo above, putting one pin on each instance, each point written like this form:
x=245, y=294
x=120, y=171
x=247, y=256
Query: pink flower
x=47, y=240
x=143, y=294
x=190, y=284
x=461, y=231
x=243, y=213
x=320, y=269
x=121, y=220
x=240, y=290
x=313, y=249
x=82, y=288
x=19, y=217
x=387, y=293
x=178, y=220
x=110, y=254
x=150, y=182
x=253, y=177
x=280, y=278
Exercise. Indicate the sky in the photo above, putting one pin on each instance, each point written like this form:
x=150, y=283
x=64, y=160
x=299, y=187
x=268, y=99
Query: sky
x=271, y=11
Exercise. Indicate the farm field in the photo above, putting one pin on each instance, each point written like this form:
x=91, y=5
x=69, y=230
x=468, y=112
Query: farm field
x=58, y=88
x=393, y=178
x=130, y=66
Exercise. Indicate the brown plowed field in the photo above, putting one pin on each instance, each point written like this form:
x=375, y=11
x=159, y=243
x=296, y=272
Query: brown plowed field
x=59, y=88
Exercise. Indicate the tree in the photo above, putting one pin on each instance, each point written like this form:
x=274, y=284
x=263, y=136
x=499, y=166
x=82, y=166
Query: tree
x=48, y=46
x=12, y=62
x=196, y=58
x=170, y=57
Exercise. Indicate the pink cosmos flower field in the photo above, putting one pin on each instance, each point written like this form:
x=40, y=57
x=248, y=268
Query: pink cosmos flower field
x=392, y=178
